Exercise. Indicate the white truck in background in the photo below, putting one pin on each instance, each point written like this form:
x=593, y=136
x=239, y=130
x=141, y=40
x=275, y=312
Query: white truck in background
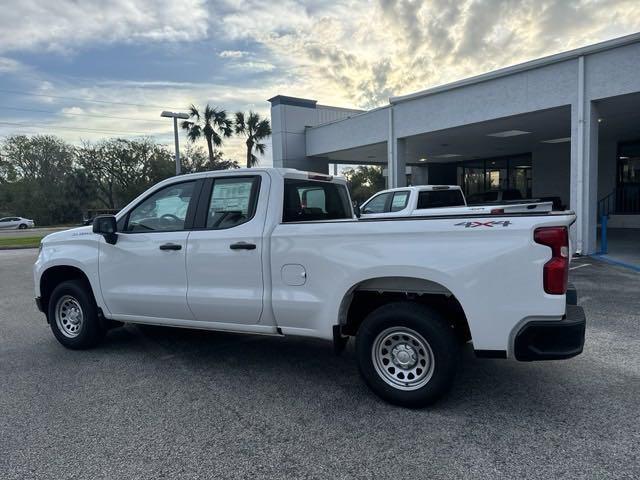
x=431, y=200
x=280, y=252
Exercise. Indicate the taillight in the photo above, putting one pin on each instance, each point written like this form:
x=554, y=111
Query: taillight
x=556, y=270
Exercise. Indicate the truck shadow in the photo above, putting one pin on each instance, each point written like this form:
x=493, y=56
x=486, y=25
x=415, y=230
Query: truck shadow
x=306, y=373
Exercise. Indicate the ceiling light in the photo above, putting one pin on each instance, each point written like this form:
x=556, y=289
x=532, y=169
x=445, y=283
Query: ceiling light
x=447, y=155
x=557, y=140
x=422, y=160
x=508, y=133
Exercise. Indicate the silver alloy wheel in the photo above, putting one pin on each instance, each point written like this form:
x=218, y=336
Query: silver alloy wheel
x=69, y=316
x=403, y=358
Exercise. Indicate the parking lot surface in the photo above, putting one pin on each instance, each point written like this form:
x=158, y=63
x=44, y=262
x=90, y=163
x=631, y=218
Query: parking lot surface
x=169, y=403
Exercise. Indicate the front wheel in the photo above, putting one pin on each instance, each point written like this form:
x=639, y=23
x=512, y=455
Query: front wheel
x=73, y=316
x=407, y=354
x=22, y=226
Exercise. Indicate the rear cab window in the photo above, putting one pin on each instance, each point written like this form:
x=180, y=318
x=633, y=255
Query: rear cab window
x=440, y=199
x=311, y=200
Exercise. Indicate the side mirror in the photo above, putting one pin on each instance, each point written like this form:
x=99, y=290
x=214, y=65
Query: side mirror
x=106, y=226
x=356, y=209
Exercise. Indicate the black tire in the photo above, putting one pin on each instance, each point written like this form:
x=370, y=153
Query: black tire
x=89, y=330
x=22, y=226
x=439, y=359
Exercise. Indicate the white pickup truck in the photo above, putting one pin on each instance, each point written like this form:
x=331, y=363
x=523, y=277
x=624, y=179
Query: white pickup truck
x=280, y=252
x=423, y=200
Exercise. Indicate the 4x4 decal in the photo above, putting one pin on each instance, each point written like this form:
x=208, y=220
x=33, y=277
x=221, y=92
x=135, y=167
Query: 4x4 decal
x=491, y=223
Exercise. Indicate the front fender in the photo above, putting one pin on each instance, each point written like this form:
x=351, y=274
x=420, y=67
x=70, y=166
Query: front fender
x=79, y=253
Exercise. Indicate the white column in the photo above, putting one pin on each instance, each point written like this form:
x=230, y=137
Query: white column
x=396, y=157
x=590, y=180
x=391, y=147
x=584, y=167
x=400, y=162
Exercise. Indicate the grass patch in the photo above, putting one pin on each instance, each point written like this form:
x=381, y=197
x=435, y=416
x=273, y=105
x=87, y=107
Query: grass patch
x=20, y=242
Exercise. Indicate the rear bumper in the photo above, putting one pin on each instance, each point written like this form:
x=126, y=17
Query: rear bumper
x=548, y=340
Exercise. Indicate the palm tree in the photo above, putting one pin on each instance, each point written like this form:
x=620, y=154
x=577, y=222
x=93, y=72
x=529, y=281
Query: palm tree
x=255, y=129
x=213, y=125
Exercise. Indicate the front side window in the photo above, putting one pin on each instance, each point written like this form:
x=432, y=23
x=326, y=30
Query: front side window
x=308, y=200
x=232, y=202
x=165, y=210
x=440, y=198
x=377, y=204
x=399, y=201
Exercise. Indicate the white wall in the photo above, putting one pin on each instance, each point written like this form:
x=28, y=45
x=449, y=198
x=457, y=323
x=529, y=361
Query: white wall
x=546, y=87
x=365, y=129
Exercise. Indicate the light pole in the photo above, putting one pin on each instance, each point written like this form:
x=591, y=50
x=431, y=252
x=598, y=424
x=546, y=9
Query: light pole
x=175, y=117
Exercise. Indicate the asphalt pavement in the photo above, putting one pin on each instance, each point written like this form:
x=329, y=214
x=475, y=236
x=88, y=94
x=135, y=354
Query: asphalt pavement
x=158, y=403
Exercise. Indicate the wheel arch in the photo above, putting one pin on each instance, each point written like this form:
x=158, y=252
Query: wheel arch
x=55, y=275
x=369, y=294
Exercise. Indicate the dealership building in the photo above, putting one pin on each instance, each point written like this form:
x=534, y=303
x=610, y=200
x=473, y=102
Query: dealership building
x=564, y=126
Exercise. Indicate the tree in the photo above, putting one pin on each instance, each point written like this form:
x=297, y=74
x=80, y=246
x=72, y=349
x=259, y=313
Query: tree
x=213, y=125
x=196, y=160
x=119, y=169
x=254, y=129
x=364, y=181
x=39, y=180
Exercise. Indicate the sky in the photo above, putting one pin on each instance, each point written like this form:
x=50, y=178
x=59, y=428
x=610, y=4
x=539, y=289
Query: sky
x=93, y=69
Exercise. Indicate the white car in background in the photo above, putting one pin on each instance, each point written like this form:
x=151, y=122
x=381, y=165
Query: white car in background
x=431, y=200
x=9, y=223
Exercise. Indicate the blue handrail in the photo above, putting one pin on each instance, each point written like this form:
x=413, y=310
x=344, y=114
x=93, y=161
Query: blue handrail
x=607, y=205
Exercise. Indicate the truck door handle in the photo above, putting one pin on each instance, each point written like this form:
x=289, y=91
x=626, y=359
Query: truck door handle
x=242, y=246
x=170, y=246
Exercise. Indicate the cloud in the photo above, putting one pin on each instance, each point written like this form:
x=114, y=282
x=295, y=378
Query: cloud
x=135, y=111
x=357, y=53
x=9, y=65
x=64, y=25
x=351, y=53
x=233, y=54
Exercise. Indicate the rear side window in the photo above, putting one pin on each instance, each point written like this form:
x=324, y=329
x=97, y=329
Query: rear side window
x=233, y=202
x=399, y=201
x=308, y=200
x=440, y=198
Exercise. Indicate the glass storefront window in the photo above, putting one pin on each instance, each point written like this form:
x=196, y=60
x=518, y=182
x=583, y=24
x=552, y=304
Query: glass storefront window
x=503, y=173
x=629, y=163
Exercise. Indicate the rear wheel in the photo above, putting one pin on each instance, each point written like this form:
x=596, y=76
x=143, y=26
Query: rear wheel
x=73, y=315
x=407, y=354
